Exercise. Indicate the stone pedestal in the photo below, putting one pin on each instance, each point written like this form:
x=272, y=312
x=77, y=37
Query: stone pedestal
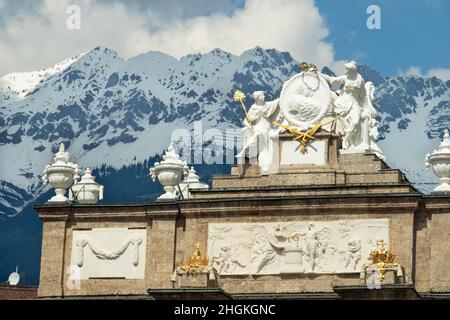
x=316, y=154
x=201, y=280
x=372, y=279
x=197, y=280
x=322, y=152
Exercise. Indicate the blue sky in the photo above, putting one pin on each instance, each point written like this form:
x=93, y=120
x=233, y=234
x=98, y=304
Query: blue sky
x=413, y=33
x=413, y=39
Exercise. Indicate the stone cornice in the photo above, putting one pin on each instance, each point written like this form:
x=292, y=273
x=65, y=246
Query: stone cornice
x=437, y=203
x=309, y=204
x=339, y=204
x=107, y=211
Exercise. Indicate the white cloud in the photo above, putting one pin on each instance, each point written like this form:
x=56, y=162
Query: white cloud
x=291, y=25
x=413, y=71
x=36, y=41
x=440, y=73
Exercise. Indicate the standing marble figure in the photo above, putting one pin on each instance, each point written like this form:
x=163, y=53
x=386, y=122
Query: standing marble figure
x=354, y=109
x=260, y=138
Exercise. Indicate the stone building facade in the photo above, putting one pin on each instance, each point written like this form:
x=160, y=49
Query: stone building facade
x=303, y=232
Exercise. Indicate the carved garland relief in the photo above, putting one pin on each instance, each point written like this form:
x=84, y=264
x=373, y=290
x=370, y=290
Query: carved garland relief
x=109, y=253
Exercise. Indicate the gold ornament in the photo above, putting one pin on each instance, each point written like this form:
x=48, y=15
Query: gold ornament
x=304, y=137
x=196, y=262
x=307, y=67
x=382, y=260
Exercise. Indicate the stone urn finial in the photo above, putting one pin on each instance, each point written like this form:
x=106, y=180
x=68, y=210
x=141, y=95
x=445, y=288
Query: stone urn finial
x=87, y=191
x=192, y=182
x=439, y=161
x=169, y=173
x=60, y=175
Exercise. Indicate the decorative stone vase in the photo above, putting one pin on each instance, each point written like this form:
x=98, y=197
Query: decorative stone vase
x=87, y=191
x=60, y=175
x=439, y=161
x=192, y=182
x=169, y=173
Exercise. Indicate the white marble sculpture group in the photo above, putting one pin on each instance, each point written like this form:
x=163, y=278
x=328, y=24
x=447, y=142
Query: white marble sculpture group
x=306, y=100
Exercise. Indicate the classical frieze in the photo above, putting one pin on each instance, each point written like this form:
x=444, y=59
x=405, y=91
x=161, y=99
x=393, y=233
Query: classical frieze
x=294, y=247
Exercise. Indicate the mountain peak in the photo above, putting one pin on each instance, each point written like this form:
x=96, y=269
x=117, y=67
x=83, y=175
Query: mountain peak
x=370, y=74
x=104, y=50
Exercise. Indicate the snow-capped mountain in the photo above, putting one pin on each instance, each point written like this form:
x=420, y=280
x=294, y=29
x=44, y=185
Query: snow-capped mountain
x=110, y=111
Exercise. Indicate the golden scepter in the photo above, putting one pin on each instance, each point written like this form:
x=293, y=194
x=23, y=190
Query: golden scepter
x=239, y=97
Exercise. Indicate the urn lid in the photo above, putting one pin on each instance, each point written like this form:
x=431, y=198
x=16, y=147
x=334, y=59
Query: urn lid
x=192, y=176
x=444, y=147
x=87, y=178
x=87, y=182
x=193, y=180
x=171, y=157
x=61, y=155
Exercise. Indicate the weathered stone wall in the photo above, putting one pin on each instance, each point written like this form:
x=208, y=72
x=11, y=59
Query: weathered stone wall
x=52, y=258
x=57, y=248
x=419, y=234
x=8, y=292
x=439, y=244
x=349, y=187
x=399, y=211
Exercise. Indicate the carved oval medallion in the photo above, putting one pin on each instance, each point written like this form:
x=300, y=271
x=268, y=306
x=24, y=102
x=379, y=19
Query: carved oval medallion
x=305, y=99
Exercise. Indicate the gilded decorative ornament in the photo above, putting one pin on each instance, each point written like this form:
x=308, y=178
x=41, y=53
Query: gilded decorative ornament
x=307, y=67
x=304, y=137
x=239, y=97
x=196, y=262
x=382, y=259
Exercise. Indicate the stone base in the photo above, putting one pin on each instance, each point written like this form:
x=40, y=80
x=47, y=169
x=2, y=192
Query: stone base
x=197, y=280
x=443, y=188
x=372, y=278
x=316, y=153
x=322, y=166
x=390, y=277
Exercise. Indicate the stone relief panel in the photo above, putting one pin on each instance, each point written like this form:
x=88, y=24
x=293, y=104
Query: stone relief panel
x=294, y=247
x=109, y=253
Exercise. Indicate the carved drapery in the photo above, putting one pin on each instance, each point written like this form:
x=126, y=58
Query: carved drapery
x=104, y=254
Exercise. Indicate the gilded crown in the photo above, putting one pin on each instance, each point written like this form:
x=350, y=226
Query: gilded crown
x=382, y=255
x=197, y=260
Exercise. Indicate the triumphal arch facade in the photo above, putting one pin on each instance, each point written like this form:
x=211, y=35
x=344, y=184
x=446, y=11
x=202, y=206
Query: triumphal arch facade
x=310, y=210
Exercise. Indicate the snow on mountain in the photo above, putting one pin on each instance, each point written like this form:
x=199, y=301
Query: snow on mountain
x=18, y=84
x=118, y=112
x=414, y=113
x=110, y=111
